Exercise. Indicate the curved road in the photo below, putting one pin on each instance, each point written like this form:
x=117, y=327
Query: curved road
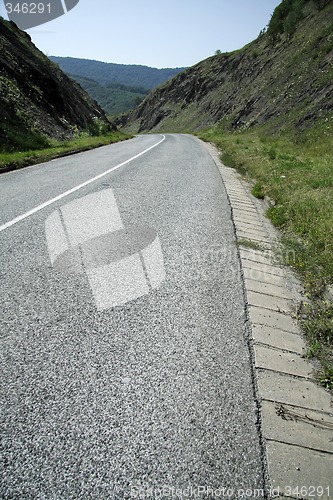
x=119, y=401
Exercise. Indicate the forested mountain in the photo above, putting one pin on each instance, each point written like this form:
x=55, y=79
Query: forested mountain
x=114, y=98
x=106, y=73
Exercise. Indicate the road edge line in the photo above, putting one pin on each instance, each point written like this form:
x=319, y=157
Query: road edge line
x=73, y=190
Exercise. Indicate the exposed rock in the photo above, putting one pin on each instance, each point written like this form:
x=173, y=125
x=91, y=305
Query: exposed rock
x=289, y=82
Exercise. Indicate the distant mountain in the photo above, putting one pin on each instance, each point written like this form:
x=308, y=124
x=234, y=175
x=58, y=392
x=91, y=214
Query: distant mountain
x=37, y=100
x=114, y=98
x=106, y=73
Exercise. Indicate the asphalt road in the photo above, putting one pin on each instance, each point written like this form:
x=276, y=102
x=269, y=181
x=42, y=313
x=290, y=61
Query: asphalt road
x=98, y=400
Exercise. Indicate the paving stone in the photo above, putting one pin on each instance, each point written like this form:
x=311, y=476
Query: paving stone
x=261, y=316
x=253, y=233
x=267, y=288
x=264, y=269
x=231, y=175
x=237, y=194
x=247, y=224
x=260, y=240
x=297, y=426
x=253, y=224
x=240, y=225
x=281, y=361
x=262, y=275
x=247, y=208
x=245, y=219
x=294, y=391
x=234, y=186
x=264, y=257
x=268, y=302
x=244, y=226
x=241, y=205
x=243, y=212
x=239, y=198
x=278, y=338
x=292, y=467
x=243, y=215
x=243, y=200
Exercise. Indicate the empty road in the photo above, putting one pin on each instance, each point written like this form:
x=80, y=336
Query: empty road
x=125, y=366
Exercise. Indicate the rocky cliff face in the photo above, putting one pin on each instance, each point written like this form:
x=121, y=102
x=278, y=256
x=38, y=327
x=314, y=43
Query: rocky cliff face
x=36, y=98
x=289, y=83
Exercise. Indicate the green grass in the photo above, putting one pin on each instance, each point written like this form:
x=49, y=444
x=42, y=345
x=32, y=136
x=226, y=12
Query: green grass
x=55, y=149
x=246, y=243
x=258, y=191
x=295, y=172
x=317, y=322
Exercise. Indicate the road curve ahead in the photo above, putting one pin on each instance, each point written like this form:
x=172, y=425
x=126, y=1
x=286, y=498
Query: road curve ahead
x=125, y=367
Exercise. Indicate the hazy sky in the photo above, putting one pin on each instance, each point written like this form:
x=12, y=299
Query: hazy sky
x=173, y=33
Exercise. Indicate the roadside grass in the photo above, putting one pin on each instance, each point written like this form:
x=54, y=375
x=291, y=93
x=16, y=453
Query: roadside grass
x=258, y=191
x=294, y=172
x=55, y=149
x=253, y=245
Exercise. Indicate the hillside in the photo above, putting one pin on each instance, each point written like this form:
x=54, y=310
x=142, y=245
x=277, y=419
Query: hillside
x=37, y=100
x=114, y=98
x=284, y=79
x=106, y=73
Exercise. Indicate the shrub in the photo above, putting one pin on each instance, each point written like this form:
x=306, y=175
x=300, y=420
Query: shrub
x=285, y=18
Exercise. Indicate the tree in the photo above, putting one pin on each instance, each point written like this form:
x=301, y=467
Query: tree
x=218, y=52
x=285, y=18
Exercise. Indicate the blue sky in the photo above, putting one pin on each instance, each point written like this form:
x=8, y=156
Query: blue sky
x=173, y=33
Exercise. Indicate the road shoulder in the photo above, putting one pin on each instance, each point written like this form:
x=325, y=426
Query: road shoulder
x=296, y=413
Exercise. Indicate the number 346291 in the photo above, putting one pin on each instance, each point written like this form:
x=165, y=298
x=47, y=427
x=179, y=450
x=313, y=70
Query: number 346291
x=28, y=8
x=307, y=492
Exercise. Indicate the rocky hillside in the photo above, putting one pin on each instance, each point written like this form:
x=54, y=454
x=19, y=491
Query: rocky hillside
x=37, y=100
x=283, y=79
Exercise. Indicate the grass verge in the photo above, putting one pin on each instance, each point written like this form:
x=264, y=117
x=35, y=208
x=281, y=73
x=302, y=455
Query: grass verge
x=295, y=173
x=56, y=149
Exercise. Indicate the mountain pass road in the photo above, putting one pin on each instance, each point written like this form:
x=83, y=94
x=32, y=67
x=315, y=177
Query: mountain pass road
x=125, y=364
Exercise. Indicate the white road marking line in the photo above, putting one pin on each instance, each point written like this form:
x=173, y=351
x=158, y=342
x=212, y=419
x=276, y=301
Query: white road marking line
x=70, y=191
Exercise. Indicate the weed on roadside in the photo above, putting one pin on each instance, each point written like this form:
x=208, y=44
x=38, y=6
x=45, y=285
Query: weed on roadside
x=244, y=242
x=316, y=320
x=258, y=191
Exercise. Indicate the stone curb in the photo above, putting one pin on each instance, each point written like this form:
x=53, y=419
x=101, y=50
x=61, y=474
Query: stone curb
x=296, y=413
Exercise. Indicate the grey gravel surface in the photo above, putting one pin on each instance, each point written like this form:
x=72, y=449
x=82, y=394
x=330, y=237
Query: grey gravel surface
x=154, y=393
